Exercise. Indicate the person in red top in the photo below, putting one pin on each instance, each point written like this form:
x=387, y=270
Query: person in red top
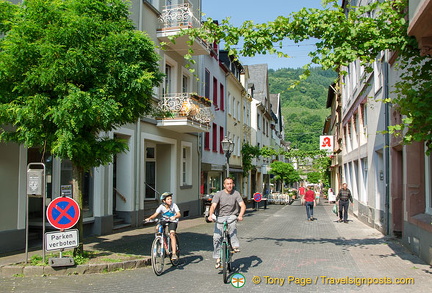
x=309, y=200
x=302, y=191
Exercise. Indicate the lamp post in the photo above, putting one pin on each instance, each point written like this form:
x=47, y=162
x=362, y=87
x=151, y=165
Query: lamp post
x=228, y=148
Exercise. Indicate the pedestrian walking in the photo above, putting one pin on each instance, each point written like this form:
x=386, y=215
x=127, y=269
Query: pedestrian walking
x=342, y=199
x=302, y=191
x=317, y=195
x=309, y=201
x=331, y=196
x=226, y=204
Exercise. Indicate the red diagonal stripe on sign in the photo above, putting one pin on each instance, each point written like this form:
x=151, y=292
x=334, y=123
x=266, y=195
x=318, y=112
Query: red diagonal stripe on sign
x=63, y=213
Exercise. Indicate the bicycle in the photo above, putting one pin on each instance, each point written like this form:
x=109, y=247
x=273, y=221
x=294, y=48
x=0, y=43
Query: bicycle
x=226, y=250
x=162, y=247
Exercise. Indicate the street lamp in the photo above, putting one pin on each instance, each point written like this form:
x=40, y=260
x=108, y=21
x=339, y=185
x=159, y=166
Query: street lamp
x=228, y=148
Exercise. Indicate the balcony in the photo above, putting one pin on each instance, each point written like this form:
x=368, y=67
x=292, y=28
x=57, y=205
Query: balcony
x=185, y=113
x=175, y=18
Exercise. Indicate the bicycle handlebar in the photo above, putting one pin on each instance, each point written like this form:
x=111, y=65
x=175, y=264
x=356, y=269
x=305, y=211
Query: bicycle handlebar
x=228, y=222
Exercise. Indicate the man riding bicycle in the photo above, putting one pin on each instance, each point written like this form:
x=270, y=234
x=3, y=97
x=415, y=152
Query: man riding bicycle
x=226, y=204
x=170, y=214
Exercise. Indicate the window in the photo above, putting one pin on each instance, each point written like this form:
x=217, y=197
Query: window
x=222, y=97
x=207, y=141
x=150, y=173
x=221, y=135
x=185, y=84
x=215, y=92
x=230, y=101
x=258, y=121
x=168, y=79
x=207, y=84
x=87, y=190
x=186, y=164
x=215, y=141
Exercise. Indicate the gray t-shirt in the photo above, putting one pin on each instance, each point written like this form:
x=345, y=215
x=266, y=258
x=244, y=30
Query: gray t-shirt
x=227, y=204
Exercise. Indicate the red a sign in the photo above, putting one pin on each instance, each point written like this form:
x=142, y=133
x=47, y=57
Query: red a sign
x=326, y=142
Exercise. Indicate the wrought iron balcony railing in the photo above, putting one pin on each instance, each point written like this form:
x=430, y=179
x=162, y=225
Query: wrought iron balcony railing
x=179, y=16
x=186, y=105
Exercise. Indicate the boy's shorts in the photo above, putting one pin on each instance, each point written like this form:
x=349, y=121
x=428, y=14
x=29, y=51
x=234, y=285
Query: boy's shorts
x=172, y=226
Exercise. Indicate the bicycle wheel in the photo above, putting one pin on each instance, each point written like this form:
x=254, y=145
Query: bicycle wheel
x=157, y=256
x=176, y=262
x=224, y=260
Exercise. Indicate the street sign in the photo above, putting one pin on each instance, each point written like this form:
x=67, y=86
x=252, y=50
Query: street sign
x=326, y=142
x=61, y=240
x=63, y=213
x=257, y=197
x=35, y=182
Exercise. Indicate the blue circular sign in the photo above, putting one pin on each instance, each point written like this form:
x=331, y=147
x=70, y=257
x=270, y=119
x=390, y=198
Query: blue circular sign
x=63, y=213
x=257, y=197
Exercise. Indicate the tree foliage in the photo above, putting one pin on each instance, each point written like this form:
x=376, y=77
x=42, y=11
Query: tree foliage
x=71, y=70
x=344, y=36
x=303, y=107
x=284, y=172
x=310, y=93
x=314, y=177
x=248, y=152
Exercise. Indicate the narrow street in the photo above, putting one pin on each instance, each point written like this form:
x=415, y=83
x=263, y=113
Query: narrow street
x=280, y=251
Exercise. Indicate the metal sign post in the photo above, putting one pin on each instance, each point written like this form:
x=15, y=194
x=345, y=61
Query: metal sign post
x=36, y=187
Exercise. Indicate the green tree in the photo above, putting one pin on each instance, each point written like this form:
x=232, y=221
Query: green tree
x=314, y=177
x=284, y=172
x=345, y=34
x=71, y=71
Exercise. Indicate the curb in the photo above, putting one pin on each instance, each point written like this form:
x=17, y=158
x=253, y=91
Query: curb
x=33, y=271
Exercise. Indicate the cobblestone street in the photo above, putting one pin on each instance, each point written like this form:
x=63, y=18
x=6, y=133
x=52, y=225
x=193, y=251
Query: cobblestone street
x=280, y=251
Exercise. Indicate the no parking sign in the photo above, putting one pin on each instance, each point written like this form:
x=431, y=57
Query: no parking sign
x=257, y=197
x=63, y=213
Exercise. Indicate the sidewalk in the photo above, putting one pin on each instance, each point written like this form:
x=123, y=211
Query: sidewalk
x=133, y=242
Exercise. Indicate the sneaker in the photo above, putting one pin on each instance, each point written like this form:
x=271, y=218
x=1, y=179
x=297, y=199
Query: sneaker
x=340, y=221
x=174, y=257
x=235, y=250
x=346, y=222
x=218, y=264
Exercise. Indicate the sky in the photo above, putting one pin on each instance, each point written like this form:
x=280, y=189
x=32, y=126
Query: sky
x=259, y=12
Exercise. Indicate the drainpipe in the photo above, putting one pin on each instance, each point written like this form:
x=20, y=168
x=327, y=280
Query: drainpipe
x=138, y=143
x=199, y=140
x=387, y=144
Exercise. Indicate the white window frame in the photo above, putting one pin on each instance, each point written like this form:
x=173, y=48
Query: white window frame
x=173, y=76
x=147, y=159
x=185, y=73
x=186, y=163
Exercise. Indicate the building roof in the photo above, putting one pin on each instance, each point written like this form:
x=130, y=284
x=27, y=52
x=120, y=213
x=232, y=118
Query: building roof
x=258, y=75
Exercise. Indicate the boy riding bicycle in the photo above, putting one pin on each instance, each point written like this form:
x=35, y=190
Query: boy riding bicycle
x=170, y=214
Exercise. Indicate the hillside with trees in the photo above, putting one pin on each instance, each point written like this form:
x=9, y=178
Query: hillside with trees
x=304, y=106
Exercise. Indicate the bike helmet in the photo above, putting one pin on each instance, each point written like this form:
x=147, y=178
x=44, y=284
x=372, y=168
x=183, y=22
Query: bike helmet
x=165, y=195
